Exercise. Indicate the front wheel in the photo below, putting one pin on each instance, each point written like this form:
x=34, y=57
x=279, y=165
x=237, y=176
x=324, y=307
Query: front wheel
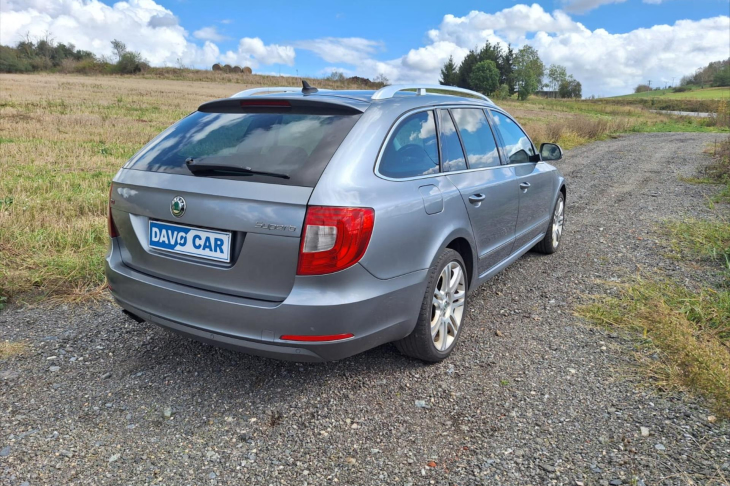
x=550, y=243
x=442, y=311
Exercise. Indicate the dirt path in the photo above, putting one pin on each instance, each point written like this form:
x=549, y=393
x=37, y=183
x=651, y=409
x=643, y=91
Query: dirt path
x=546, y=399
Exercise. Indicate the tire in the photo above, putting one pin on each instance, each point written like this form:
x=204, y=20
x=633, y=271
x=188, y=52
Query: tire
x=551, y=242
x=422, y=343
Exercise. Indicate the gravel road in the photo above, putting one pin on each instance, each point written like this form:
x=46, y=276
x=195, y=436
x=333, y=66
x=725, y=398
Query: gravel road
x=533, y=395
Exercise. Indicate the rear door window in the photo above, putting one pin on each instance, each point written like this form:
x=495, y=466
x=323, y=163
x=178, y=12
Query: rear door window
x=411, y=151
x=296, y=145
x=452, y=155
x=479, y=143
x=516, y=143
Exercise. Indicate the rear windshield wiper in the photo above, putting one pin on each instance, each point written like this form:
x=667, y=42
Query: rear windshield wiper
x=199, y=168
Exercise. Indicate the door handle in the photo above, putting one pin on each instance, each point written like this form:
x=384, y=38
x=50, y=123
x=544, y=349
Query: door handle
x=525, y=186
x=477, y=198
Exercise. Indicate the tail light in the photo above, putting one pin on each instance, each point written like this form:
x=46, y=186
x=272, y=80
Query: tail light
x=334, y=239
x=113, y=233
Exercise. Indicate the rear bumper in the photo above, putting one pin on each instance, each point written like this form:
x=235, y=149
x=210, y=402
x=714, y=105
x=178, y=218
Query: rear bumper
x=352, y=301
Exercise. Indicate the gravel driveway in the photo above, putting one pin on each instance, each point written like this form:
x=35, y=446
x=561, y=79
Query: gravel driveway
x=532, y=395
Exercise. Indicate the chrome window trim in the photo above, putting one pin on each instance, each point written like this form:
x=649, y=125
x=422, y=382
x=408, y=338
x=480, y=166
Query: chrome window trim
x=440, y=174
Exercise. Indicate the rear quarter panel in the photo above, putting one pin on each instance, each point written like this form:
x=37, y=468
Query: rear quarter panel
x=405, y=238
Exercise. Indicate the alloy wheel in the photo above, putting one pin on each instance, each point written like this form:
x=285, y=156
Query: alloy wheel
x=449, y=298
x=558, y=218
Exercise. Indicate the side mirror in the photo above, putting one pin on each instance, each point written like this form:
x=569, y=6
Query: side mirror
x=551, y=151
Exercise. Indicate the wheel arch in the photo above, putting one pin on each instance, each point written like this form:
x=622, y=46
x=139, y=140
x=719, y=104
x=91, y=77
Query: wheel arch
x=465, y=248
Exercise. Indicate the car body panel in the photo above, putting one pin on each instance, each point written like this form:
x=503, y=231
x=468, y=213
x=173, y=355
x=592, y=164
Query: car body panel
x=250, y=303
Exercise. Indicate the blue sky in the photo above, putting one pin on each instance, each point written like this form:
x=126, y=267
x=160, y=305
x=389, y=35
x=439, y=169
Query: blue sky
x=609, y=45
x=402, y=25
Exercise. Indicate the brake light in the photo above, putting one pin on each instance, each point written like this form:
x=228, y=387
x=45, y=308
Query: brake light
x=113, y=233
x=265, y=103
x=334, y=239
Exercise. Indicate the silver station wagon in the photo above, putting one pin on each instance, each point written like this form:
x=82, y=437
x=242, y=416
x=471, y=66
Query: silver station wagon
x=312, y=225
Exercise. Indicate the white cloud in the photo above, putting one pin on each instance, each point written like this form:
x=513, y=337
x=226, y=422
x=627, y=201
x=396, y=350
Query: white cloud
x=210, y=33
x=167, y=20
x=341, y=49
x=253, y=52
x=143, y=25
x=583, y=6
x=605, y=63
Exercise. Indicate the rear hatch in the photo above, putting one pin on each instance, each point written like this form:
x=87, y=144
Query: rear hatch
x=217, y=201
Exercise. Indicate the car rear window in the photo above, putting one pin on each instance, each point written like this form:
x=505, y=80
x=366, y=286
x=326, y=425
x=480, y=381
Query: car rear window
x=296, y=145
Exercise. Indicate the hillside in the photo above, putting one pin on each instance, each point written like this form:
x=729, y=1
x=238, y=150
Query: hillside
x=722, y=93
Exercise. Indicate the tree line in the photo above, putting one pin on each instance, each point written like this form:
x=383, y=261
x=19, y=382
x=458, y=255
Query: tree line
x=500, y=73
x=714, y=74
x=46, y=55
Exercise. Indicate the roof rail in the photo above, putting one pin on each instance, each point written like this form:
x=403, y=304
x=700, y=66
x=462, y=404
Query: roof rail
x=390, y=91
x=276, y=89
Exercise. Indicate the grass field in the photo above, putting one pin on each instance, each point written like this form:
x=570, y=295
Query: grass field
x=63, y=137
x=695, y=94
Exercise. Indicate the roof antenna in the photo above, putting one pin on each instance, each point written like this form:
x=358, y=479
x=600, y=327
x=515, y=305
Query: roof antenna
x=307, y=89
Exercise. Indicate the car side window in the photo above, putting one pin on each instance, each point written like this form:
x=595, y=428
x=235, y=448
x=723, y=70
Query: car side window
x=516, y=144
x=411, y=150
x=452, y=156
x=479, y=143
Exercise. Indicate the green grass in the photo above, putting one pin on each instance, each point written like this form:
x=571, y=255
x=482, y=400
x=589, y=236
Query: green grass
x=680, y=124
x=688, y=328
x=701, y=240
x=694, y=94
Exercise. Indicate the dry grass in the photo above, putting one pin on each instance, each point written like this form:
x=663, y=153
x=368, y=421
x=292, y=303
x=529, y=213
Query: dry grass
x=62, y=138
x=688, y=330
x=9, y=349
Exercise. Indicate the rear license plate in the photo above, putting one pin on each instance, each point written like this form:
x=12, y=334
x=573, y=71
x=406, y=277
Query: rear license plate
x=212, y=245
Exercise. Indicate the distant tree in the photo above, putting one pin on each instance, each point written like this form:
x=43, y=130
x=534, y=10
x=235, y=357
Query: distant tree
x=131, y=63
x=506, y=70
x=382, y=79
x=722, y=76
x=449, y=73
x=485, y=77
x=338, y=76
x=556, y=75
x=502, y=93
x=529, y=71
x=465, y=69
x=642, y=88
x=119, y=49
x=570, y=88
x=246, y=70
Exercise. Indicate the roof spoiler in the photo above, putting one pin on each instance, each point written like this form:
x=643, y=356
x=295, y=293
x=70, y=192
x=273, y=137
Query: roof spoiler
x=284, y=104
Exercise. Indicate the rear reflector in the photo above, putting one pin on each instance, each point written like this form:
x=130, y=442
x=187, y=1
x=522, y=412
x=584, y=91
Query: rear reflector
x=334, y=239
x=113, y=233
x=331, y=337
